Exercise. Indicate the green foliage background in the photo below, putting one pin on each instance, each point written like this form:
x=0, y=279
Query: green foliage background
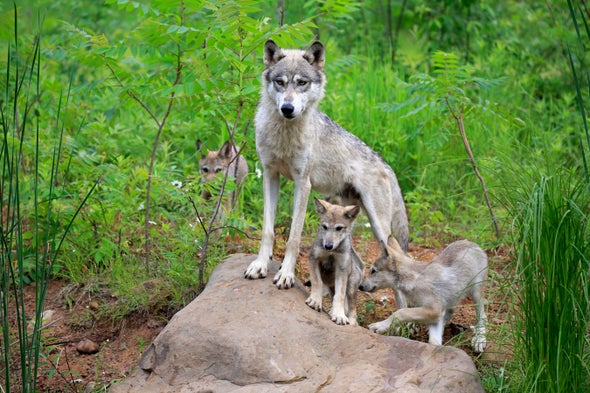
x=147, y=76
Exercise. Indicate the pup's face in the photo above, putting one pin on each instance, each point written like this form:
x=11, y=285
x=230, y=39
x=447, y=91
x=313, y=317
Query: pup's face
x=381, y=275
x=335, y=222
x=293, y=78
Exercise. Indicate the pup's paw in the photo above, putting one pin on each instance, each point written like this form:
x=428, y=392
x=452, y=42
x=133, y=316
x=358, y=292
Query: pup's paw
x=284, y=280
x=340, y=319
x=314, y=303
x=380, y=327
x=257, y=269
x=478, y=343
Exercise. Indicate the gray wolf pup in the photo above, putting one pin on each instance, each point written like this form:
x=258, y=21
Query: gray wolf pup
x=216, y=163
x=296, y=140
x=334, y=262
x=432, y=289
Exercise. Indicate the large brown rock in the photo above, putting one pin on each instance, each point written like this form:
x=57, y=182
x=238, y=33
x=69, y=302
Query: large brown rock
x=248, y=336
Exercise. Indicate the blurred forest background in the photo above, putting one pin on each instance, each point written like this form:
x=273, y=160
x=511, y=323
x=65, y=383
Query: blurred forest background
x=103, y=103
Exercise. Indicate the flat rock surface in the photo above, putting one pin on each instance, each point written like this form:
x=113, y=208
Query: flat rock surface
x=244, y=335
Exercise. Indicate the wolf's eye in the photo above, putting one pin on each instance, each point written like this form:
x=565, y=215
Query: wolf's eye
x=339, y=228
x=217, y=170
x=324, y=227
x=373, y=270
x=301, y=82
x=280, y=82
x=205, y=170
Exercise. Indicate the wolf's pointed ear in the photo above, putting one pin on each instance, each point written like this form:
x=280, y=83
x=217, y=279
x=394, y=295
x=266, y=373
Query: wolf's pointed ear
x=392, y=242
x=352, y=211
x=226, y=150
x=272, y=53
x=315, y=55
x=385, y=250
x=320, y=207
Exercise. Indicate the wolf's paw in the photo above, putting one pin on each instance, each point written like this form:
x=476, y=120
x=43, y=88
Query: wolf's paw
x=380, y=327
x=478, y=343
x=257, y=269
x=340, y=319
x=314, y=303
x=284, y=280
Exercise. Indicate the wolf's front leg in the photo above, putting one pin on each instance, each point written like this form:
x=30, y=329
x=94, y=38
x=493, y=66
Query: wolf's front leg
x=338, y=312
x=285, y=278
x=317, y=286
x=381, y=327
x=270, y=184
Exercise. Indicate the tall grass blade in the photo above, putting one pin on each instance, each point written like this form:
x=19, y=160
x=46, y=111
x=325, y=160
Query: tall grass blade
x=553, y=280
x=31, y=234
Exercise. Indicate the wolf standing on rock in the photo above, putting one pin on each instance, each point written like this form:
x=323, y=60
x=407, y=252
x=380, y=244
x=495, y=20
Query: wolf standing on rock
x=296, y=140
x=334, y=262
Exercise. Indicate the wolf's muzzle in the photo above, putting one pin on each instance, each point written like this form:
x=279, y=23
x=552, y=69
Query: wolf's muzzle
x=287, y=110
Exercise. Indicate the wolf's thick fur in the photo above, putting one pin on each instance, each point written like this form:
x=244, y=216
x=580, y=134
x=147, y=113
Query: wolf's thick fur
x=216, y=163
x=296, y=140
x=434, y=289
x=334, y=262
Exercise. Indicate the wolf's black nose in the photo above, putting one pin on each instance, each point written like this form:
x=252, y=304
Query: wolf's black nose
x=287, y=109
x=328, y=246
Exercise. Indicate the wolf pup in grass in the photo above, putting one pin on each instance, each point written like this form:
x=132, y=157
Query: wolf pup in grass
x=296, y=140
x=334, y=262
x=216, y=163
x=432, y=289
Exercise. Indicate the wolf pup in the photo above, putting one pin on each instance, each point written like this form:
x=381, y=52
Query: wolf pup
x=294, y=139
x=334, y=262
x=432, y=289
x=216, y=163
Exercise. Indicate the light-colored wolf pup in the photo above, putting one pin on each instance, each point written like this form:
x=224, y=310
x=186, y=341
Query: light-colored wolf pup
x=432, y=289
x=334, y=262
x=296, y=140
x=216, y=163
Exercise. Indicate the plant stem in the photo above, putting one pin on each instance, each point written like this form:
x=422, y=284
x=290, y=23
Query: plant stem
x=458, y=116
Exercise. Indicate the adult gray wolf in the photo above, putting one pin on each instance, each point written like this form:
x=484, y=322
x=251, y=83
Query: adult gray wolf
x=432, y=289
x=296, y=140
x=216, y=163
x=334, y=262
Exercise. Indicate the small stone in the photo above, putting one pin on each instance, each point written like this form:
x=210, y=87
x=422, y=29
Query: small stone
x=93, y=305
x=87, y=347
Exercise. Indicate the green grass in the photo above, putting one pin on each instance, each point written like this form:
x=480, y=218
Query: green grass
x=36, y=212
x=552, y=285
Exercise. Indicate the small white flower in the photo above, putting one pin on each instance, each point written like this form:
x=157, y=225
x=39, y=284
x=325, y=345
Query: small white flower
x=258, y=172
x=141, y=206
x=384, y=299
x=368, y=225
x=176, y=183
x=152, y=222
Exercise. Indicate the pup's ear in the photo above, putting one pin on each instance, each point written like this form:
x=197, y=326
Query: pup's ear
x=352, y=212
x=315, y=55
x=272, y=53
x=226, y=150
x=385, y=249
x=320, y=206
